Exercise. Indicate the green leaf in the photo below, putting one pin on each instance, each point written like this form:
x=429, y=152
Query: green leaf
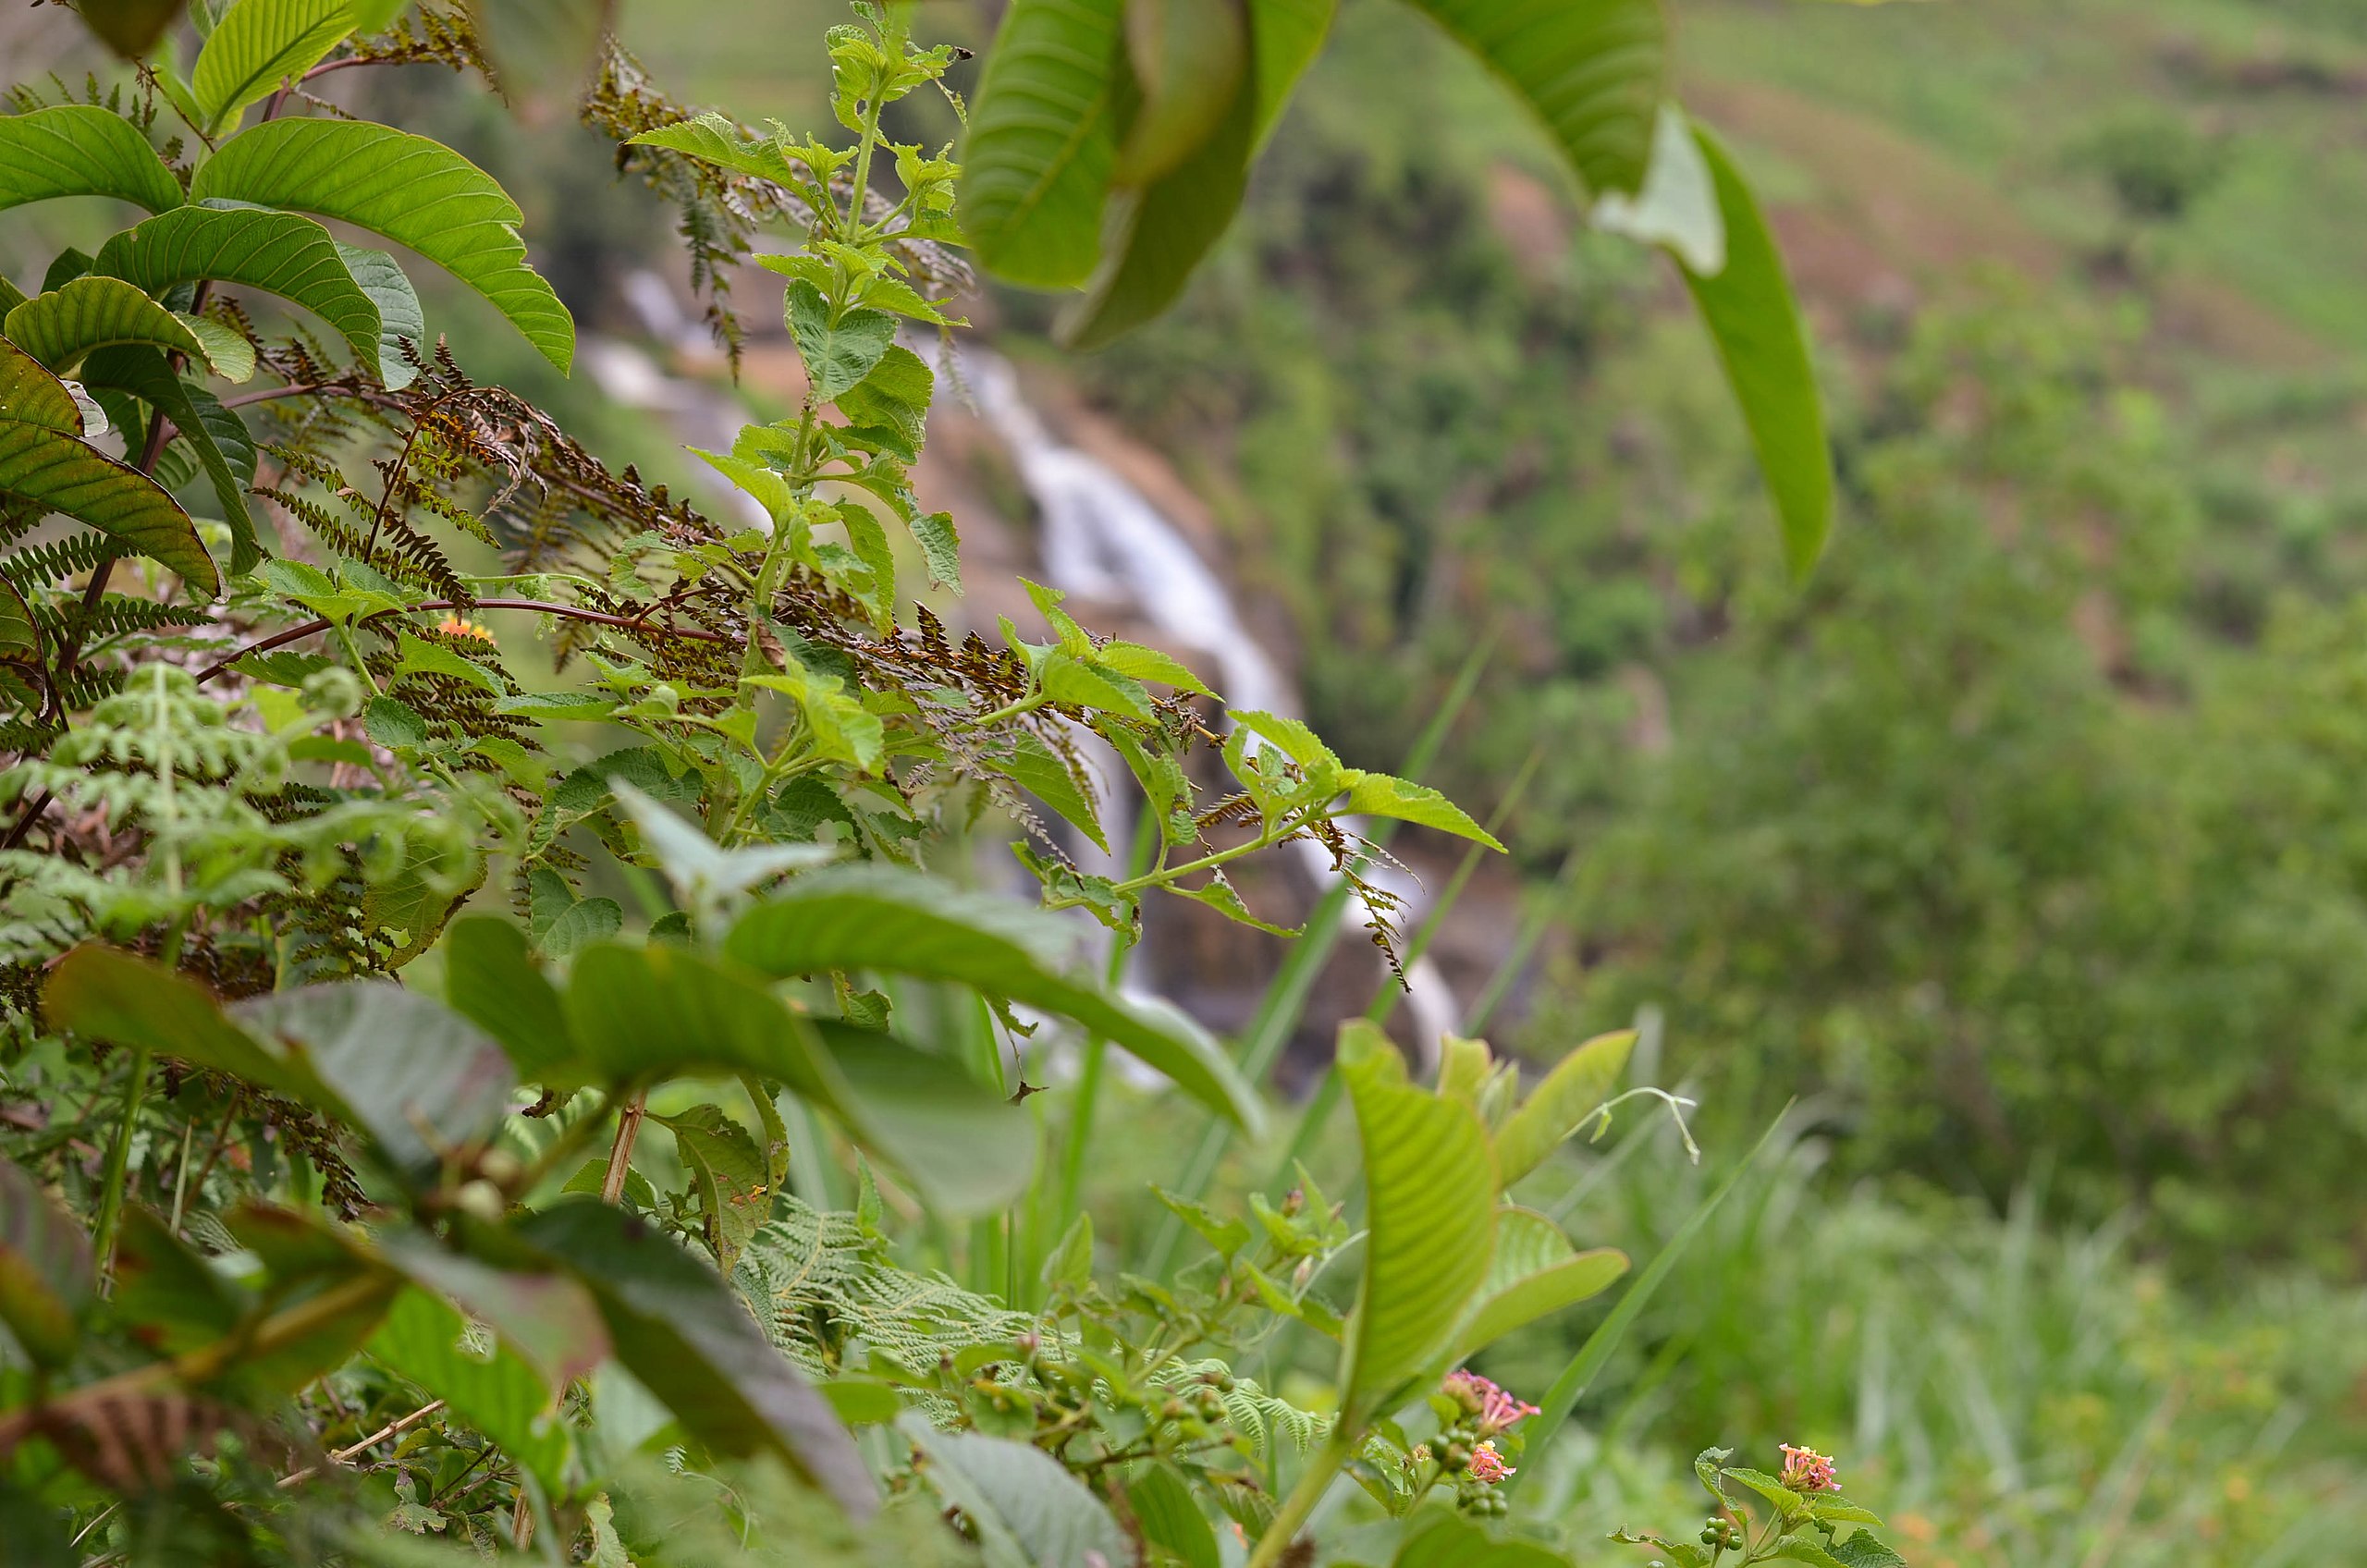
x=45, y=1274
x=548, y=1319
x=966, y=1150
x=1036, y=162
x=199, y=422
x=380, y=277
x=860, y=1402
x=1045, y=774
x=940, y=546
x=1295, y=739
x=1800, y=1549
x=579, y=924
x=409, y=1069
x=727, y=1171
x=1594, y=71
x=884, y=918
x=895, y=396
x=131, y=28
x=393, y=724
x=1863, y=1550
x=258, y=44
x=491, y=979
x=281, y=253
x=30, y=395
x=82, y=150
x=1561, y=1103
x=1227, y=1235
x=1533, y=1274
x=415, y=191
x=1171, y=1520
x=1447, y=1540
x=59, y=329
x=1788, y=1503
x=1756, y=325
x=226, y=349
x=1430, y=1194
x=1381, y=794
x=1678, y=205
x=420, y=1339
x=1139, y=663
x=1189, y=58
x=1028, y=1510
x=679, y=1328
x=713, y=139
x=178, y=1300
x=41, y=461
x=840, y=353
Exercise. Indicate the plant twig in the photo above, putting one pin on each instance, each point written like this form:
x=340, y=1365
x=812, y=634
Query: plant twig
x=338, y=1456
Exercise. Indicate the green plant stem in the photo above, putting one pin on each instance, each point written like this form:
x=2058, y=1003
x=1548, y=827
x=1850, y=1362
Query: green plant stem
x=1323, y=1467
x=1094, y=1058
x=612, y=1184
x=118, y=1162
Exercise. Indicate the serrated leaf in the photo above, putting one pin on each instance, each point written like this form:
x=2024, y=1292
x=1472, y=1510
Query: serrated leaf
x=1041, y=143
x=255, y=46
x=1430, y=1199
x=1593, y=71
x=1067, y=678
x=1291, y=736
x=1137, y=662
x=940, y=546
x=59, y=328
x=82, y=150
x=681, y=1329
x=1561, y=1103
x=1045, y=774
x=837, y=353
x=1800, y=1549
x=1381, y=794
x=894, y=395
x=45, y=1274
x=1221, y=895
x=1534, y=1273
x=281, y=253
x=884, y=918
x=393, y=724
x=415, y=191
x=727, y=1171
x=713, y=139
x=1228, y=1235
x=1756, y=325
x=1864, y=1551
x=1028, y=1510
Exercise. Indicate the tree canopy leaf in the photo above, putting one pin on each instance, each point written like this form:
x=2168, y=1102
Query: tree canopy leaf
x=282, y=253
x=258, y=44
x=82, y=150
x=1042, y=141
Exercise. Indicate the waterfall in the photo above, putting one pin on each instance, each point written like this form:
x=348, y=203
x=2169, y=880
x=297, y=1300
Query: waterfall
x=1100, y=539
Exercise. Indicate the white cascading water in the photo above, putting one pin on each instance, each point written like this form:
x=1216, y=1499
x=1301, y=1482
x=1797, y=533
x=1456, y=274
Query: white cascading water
x=1101, y=541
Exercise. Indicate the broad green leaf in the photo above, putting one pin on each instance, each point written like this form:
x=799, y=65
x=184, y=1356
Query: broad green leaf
x=1028, y=1510
x=1139, y=663
x=1171, y=1520
x=421, y=1340
x=382, y=277
x=1190, y=57
x=409, y=1067
x=45, y=1274
x=131, y=28
x=108, y=995
x=59, y=329
x=941, y=545
x=41, y=461
x=281, y=253
x=30, y=395
x=837, y=724
x=1800, y=1549
x=1035, y=164
x=491, y=979
x=163, y=1285
x=715, y=140
x=1787, y=1503
x=1068, y=678
x=1449, y=1540
x=860, y=1402
x=258, y=44
x=1561, y=1103
x=1756, y=325
x=1535, y=1272
x=837, y=353
x=548, y=1319
x=226, y=349
x=1556, y=1406
x=199, y=422
x=415, y=191
x=19, y=635
x=1045, y=774
x=1285, y=36
x=1431, y=1196
x=82, y=150
x=407, y=910
x=894, y=396
x=705, y=876
x=681, y=1329
x=1594, y=71
x=639, y=1014
x=1298, y=741
x=881, y=917
x=1381, y=794
x=964, y=1148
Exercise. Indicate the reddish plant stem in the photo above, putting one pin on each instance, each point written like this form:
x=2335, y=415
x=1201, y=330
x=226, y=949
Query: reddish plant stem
x=310, y=627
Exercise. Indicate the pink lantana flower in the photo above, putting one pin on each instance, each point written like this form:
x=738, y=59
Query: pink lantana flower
x=1488, y=1466
x=1805, y=1470
x=1497, y=1410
